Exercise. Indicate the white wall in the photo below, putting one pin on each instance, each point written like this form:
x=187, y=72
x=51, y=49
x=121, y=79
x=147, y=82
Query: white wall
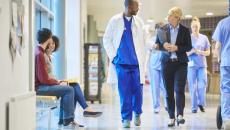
x=14, y=77
x=84, y=35
x=92, y=30
x=73, y=38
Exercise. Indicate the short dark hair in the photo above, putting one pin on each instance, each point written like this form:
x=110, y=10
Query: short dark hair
x=128, y=2
x=43, y=35
x=56, y=42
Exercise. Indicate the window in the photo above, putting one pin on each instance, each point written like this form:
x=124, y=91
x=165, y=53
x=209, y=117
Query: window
x=44, y=14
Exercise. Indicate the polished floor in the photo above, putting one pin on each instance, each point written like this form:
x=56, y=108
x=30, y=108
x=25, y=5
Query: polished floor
x=110, y=120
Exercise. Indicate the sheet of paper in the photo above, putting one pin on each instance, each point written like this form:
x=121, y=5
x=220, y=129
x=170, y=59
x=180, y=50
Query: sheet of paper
x=15, y=14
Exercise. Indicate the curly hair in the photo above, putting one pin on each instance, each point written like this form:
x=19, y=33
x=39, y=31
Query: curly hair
x=56, y=42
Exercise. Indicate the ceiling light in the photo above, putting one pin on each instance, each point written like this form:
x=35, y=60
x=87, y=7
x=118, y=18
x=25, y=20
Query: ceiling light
x=150, y=21
x=209, y=13
x=188, y=16
x=166, y=18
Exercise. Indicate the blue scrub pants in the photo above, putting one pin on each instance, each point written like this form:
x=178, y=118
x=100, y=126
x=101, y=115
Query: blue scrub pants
x=225, y=92
x=157, y=84
x=130, y=90
x=197, y=82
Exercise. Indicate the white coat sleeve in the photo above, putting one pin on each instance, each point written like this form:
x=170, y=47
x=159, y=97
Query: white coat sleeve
x=108, y=40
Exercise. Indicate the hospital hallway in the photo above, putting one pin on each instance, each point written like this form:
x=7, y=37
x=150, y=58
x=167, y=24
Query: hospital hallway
x=55, y=54
x=111, y=118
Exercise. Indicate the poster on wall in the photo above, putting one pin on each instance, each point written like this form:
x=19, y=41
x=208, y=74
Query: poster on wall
x=0, y=8
x=16, y=39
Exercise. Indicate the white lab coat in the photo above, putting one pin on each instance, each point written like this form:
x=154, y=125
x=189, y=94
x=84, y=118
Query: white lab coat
x=111, y=42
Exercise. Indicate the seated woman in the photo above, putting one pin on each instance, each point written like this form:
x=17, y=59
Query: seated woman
x=78, y=95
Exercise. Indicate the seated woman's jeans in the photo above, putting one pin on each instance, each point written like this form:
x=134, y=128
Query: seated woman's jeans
x=79, y=97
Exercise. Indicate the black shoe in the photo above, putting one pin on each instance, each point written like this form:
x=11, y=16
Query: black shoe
x=166, y=108
x=60, y=122
x=91, y=114
x=67, y=121
x=201, y=108
x=194, y=111
x=171, y=123
x=180, y=120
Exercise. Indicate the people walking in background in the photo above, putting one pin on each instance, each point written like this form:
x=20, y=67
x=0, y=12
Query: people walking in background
x=174, y=40
x=124, y=43
x=155, y=74
x=222, y=37
x=197, y=67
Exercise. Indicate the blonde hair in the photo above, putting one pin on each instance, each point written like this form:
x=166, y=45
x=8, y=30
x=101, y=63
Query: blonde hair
x=195, y=20
x=175, y=11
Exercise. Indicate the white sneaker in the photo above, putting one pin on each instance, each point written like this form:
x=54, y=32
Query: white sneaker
x=157, y=110
x=72, y=126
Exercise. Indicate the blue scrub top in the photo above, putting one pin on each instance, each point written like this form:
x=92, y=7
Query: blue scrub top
x=222, y=35
x=155, y=57
x=126, y=54
x=155, y=60
x=202, y=43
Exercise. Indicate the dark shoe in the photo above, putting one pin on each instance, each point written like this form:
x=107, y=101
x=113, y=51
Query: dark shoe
x=201, y=108
x=67, y=121
x=194, y=111
x=91, y=114
x=60, y=123
x=171, y=123
x=180, y=120
x=166, y=108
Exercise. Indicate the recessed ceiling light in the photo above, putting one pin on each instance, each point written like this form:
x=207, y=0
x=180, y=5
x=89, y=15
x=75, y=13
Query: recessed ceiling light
x=209, y=13
x=166, y=18
x=150, y=20
x=188, y=16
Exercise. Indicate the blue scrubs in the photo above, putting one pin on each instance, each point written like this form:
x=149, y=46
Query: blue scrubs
x=156, y=80
x=222, y=35
x=197, y=72
x=130, y=89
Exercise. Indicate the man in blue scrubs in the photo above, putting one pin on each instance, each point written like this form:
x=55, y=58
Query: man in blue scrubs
x=124, y=44
x=222, y=37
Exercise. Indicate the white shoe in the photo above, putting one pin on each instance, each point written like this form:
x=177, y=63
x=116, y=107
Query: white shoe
x=157, y=110
x=72, y=126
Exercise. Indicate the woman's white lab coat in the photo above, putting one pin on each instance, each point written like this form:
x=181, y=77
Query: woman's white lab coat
x=111, y=42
